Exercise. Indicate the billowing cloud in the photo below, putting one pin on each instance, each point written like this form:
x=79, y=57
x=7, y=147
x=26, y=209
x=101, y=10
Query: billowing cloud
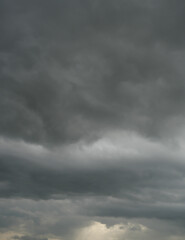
x=73, y=70
x=92, y=119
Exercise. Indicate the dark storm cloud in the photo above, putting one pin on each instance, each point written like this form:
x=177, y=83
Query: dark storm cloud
x=74, y=69
x=21, y=178
x=76, y=78
x=138, y=210
x=138, y=181
x=145, y=185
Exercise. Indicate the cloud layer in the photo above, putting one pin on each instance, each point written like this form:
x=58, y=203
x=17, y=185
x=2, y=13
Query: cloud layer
x=92, y=119
x=73, y=70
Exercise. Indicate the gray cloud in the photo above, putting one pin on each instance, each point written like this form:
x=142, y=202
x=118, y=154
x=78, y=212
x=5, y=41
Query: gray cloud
x=92, y=118
x=147, y=187
x=73, y=70
x=28, y=238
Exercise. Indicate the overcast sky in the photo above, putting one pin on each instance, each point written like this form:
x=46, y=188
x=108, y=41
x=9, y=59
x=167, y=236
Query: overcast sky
x=92, y=120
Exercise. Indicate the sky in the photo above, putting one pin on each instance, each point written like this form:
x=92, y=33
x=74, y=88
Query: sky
x=92, y=120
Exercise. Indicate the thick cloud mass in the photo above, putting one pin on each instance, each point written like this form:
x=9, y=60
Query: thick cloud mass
x=92, y=119
x=72, y=70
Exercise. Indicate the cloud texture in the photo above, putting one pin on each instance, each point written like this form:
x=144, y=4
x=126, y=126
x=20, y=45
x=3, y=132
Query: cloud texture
x=92, y=119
